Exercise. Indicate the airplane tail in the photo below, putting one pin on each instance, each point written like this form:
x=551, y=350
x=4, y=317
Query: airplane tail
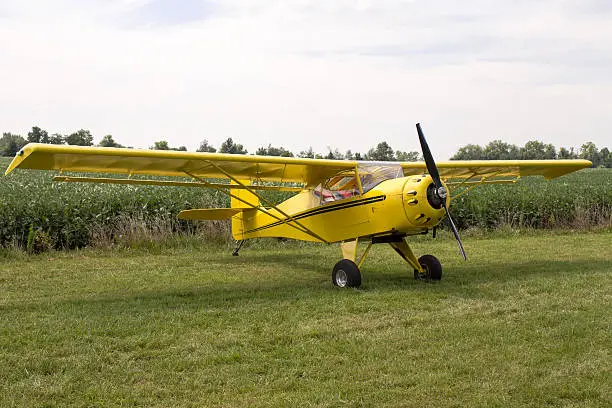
x=247, y=212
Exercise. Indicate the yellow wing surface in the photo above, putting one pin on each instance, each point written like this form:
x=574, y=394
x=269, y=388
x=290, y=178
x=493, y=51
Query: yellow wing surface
x=463, y=169
x=173, y=163
x=263, y=168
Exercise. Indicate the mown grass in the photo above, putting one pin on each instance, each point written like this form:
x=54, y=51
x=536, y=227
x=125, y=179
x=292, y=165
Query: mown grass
x=525, y=322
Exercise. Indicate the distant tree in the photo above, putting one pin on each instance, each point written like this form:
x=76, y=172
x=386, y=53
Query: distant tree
x=498, y=150
x=108, y=141
x=349, y=155
x=80, y=138
x=57, y=139
x=589, y=151
x=334, y=154
x=232, y=148
x=163, y=145
x=567, y=154
x=358, y=156
x=205, y=147
x=536, y=150
x=37, y=135
x=308, y=154
x=160, y=145
x=469, y=152
x=273, y=151
x=382, y=152
x=606, y=157
x=10, y=144
x=407, y=156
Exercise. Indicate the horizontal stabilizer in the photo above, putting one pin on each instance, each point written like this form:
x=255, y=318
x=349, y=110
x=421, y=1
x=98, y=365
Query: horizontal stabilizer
x=209, y=214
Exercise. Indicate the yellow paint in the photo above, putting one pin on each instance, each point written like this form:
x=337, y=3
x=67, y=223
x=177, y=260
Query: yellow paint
x=349, y=249
x=405, y=252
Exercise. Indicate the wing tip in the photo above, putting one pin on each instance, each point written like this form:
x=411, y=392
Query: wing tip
x=19, y=157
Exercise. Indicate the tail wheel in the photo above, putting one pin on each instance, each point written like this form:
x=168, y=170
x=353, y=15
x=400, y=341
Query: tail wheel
x=432, y=268
x=346, y=274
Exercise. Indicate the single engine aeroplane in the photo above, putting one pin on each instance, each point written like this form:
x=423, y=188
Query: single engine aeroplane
x=336, y=201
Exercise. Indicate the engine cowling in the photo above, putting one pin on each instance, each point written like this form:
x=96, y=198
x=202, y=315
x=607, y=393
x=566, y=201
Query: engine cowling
x=422, y=206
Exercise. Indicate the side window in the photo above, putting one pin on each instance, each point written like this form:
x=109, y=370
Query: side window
x=345, y=185
x=337, y=188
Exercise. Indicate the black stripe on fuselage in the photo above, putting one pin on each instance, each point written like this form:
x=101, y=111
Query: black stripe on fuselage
x=322, y=210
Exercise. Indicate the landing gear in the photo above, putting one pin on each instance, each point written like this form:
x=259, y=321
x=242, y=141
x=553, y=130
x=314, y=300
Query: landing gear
x=240, y=244
x=432, y=269
x=346, y=274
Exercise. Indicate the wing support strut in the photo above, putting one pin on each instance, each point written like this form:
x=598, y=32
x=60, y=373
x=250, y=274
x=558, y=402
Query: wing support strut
x=106, y=180
x=288, y=218
x=287, y=221
x=471, y=184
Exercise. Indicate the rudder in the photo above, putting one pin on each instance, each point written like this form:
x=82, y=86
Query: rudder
x=246, y=200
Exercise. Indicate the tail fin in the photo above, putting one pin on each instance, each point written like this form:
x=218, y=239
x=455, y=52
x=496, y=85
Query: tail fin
x=245, y=195
x=239, y=221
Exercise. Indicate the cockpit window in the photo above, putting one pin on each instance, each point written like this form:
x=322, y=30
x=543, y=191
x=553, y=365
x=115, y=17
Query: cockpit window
x=338, y=187
x=344, y=185
x=372, y=174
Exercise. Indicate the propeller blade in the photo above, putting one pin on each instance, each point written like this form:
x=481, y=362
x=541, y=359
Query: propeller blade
x=435, y=176
x=429, y=160
x=455, y=232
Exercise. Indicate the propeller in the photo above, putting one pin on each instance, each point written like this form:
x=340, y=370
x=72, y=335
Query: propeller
x=439, y=191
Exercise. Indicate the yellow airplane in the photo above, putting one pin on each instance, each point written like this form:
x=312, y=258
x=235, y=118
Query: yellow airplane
x=336, y=201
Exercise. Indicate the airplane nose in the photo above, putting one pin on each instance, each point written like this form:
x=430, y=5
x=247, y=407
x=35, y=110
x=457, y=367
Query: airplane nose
x=423, y=206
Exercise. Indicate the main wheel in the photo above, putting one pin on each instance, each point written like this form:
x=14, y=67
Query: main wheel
x=432, y=269
x=346, y=274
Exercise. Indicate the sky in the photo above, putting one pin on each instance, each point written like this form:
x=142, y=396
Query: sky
x=321, y=74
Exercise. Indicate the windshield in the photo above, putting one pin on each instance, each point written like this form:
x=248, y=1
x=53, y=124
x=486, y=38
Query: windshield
x=372, y=174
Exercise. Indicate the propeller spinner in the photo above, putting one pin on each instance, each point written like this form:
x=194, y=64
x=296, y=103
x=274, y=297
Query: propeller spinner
x=439, y=190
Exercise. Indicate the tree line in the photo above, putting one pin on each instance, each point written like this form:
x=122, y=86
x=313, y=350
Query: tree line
x=534, y=150
x=11, y=143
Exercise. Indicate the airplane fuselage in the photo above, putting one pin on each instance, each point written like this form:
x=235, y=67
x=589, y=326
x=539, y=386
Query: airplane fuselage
x=395, y=206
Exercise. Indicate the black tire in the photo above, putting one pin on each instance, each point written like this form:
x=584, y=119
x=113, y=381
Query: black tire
x=432, y=268
x=346, y=274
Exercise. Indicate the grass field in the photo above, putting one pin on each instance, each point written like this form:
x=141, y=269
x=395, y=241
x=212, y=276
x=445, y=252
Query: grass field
x=525, y=322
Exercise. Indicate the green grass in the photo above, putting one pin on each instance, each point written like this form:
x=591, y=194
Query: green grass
x=525, y=322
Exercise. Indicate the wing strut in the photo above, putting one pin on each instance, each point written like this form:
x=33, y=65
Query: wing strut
x=105, y=180
x=288, y=218
x=263, y=210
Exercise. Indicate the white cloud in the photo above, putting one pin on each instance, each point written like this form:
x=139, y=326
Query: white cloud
x=345, y=74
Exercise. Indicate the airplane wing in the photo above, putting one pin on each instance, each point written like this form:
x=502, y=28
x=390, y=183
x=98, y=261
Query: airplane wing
x=474, y=169
x=262, y=168
x=176, y=163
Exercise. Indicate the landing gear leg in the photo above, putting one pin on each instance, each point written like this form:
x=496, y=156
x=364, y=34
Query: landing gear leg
x=240, y=243
x=346, y=272
x=427, y=267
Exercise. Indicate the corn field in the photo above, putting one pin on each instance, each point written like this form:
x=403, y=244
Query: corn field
x=37, y=214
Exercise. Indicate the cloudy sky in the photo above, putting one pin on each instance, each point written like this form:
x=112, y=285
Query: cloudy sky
x=343, y=74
